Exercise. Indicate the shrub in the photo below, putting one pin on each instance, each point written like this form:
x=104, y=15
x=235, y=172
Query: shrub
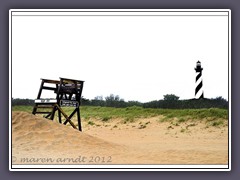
x=106, y=118
x=91, y=123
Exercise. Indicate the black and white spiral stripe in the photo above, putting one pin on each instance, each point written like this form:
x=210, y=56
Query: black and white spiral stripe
x=199, y=86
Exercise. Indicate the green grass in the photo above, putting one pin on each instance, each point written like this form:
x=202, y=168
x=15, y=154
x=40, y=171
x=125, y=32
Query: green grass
x=106, y=118
x=130, y=114
x=91, y=123
x=182, y=120
x=217, y=123
x=23, y=108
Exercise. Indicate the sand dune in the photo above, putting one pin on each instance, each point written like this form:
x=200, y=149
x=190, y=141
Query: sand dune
x=36, y=140
x=35, y=137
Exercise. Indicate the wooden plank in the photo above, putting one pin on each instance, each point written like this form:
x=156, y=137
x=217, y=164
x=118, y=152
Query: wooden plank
x=59, y=117
x=42, y=112
x=53, y=113
x=40, y=90
x=34, y=110
x=67, y=118
x=71, y=115
x=79, y=119
x=49, y=88
x=51, y=81
x=44, y=106
x=48, y=115
x=66, y=80
x=45, y=101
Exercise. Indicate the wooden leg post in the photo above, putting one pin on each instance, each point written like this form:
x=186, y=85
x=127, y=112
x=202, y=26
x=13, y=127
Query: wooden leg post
x=59, y=116
x=68, y=118
x=53, y=112
x=79, y=119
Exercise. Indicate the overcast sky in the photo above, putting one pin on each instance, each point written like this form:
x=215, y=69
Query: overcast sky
x=136, y=57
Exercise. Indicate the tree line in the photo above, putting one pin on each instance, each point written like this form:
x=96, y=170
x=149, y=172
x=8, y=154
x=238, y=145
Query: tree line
x=170, y=101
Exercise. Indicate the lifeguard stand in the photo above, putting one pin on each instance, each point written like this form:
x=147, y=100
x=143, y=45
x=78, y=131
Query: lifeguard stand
x=68, y=93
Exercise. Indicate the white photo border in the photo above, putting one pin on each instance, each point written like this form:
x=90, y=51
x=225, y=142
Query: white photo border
x=120, y=12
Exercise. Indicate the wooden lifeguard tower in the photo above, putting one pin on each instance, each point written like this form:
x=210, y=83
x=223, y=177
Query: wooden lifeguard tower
x=68, y=93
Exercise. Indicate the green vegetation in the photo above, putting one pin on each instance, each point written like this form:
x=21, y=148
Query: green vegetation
x=106, y=118
x=91, y=123
x=217, y=123
x=23, y=108
x=129, y=114
x=170, y=97
x=181, y=120
x=182, y=113
x=169, y=101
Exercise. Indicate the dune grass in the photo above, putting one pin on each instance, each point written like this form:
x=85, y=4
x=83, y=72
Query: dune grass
x=22, y=108
x=129, y=114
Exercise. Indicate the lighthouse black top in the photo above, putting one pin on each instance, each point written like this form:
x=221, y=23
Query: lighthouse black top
x=198, y=67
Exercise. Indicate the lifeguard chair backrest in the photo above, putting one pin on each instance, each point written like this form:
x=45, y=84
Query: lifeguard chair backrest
x=70, y=89
x=46, y=85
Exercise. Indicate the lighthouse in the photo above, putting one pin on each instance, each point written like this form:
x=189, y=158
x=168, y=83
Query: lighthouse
x=198, y=82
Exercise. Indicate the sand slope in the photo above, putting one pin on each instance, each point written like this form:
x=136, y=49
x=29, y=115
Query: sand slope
x=35, y=137
x=36, y=140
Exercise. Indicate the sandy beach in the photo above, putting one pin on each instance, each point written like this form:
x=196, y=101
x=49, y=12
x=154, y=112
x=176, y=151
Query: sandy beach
x=36, y=140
